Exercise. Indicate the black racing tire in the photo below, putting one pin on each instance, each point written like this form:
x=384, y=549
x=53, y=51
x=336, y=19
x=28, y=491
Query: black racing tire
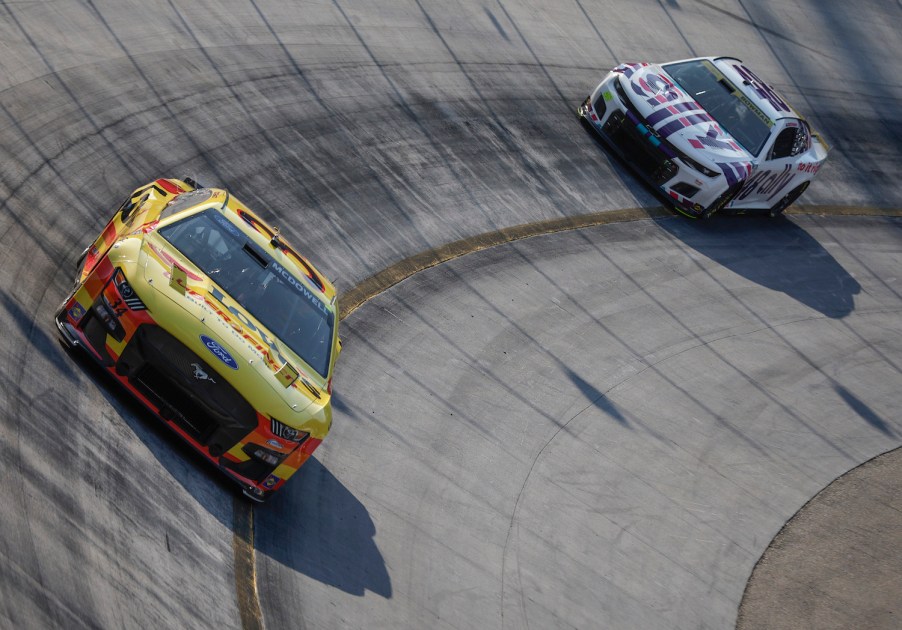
x=788, y=199
x=722, y=201
x=253, y=498
x=64, y=339
x=80, y=263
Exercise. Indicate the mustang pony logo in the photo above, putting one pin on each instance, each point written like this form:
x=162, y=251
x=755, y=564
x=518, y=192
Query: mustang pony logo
x=200, y=375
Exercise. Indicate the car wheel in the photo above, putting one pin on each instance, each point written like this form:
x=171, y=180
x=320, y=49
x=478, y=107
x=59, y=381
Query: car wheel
x=80, y=263
x=722, y=201
x=788, y=200
x=256, y=498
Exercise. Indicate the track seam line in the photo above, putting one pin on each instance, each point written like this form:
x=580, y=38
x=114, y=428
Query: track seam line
x=352, y=299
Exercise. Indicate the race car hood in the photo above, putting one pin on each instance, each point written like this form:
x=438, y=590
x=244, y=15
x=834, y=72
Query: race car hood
x=217, y=328
x=677, y=118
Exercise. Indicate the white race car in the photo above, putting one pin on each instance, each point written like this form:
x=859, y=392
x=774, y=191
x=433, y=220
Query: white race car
x=708, y=133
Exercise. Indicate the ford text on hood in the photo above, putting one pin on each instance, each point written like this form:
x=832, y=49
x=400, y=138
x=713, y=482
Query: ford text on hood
x=708, y=133
x=209, y=318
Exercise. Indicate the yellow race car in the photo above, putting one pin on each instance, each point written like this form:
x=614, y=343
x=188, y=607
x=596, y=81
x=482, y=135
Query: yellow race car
x=209, y=318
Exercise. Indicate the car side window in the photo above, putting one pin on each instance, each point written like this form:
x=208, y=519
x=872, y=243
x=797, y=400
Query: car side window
x=791, y=141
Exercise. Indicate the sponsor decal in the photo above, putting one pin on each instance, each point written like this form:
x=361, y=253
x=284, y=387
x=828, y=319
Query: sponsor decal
x=219, y=352
x=299, y=287
x=270, y=482
x=239, y=324
x=82, y=302
x=276, y=241
x=761, y=88
x=227, y=225
x=739, y=94
x=767, y=183
x=242, y=326
x=76, y=312
x=810, y=167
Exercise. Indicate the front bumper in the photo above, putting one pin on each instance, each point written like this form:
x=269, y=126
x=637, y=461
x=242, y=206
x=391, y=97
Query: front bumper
x=608, y=112
x=159, y=371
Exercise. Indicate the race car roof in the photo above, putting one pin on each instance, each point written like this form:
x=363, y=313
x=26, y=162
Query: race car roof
x=754, y=88
x=760, y=93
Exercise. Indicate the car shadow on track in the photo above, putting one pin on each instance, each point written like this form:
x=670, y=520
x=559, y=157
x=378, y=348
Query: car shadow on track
x=314, y=525
x=644, y=193
x=317, y=527
x=31, y=334
x=774, y=253
x=212, y=490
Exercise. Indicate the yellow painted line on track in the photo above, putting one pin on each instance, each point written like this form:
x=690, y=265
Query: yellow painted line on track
x=245, y=564
x=374, y=285
x=350, y=300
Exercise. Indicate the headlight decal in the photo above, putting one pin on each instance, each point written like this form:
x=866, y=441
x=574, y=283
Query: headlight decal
x=701, y=168
x=282, y=430
x=128, y=294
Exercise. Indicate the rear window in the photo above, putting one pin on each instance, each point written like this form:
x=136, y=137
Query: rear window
x=186, y=200
x=732, y=110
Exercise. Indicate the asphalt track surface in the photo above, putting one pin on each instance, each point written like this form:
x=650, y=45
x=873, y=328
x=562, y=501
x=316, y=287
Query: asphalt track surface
x=597, y=428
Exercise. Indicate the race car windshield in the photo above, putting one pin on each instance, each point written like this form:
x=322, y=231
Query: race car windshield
x=266, y=289
x=730, y=108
